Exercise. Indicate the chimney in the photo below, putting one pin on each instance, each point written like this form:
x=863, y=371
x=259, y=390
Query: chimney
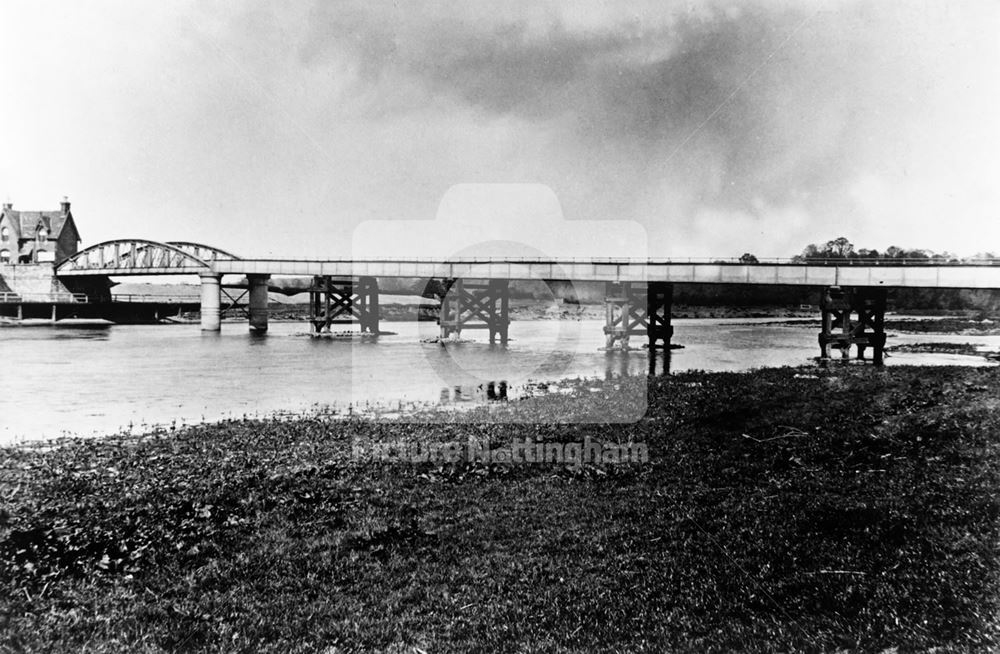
x=65, y=204
x=8, y=205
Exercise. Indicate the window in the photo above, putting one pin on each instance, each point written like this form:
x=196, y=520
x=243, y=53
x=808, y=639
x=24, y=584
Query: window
x=5, y=256
x=5, y=234
x=44, y=256
x=42, y=234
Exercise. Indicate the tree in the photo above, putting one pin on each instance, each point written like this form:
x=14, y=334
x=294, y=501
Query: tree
x=748, y=258
x=841, y=248
x=838, y=248
x=811, y=251
x=894, y=252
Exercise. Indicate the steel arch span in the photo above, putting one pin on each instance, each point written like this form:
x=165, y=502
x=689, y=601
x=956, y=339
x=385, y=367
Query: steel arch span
x=137, y=257
x=204, y=252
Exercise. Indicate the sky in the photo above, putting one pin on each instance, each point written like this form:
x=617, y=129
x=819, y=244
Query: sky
x=702, y=128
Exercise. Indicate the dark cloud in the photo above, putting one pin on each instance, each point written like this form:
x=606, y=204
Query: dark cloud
x=756, y=103
x=748, y=108
x=794, y=119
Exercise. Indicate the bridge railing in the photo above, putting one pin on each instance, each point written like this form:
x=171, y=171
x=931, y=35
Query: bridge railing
x=799, y=261
x=43, y=298
x=153, y=299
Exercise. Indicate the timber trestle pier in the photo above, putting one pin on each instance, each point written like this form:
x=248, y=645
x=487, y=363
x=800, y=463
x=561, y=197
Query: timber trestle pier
x=340, y=302
x=470, y=304
x=853, y=316
x=474, y=293
x=638, y=310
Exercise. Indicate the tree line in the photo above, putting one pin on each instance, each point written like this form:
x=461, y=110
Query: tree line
x=903, y=298
x=842, y=248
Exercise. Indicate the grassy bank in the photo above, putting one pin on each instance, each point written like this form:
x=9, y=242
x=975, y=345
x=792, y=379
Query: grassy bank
x=791, y=509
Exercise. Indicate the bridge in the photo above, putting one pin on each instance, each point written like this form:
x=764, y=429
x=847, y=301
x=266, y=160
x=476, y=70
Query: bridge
x=475, y=290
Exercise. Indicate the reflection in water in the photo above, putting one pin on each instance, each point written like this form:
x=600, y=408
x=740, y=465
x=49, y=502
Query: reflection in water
x=625, y=364
x=616, y=364
x=497, y=391
x=489, y=392
x=659, y=358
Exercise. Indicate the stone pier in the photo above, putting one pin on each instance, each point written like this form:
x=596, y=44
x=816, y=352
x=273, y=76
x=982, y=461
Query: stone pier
x=258, y=302
x=211, y=302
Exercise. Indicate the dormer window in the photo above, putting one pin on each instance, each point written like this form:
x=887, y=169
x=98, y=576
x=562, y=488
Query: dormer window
x=43, y=234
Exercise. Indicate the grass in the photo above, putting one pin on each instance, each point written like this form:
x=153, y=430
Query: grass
x=784, y=509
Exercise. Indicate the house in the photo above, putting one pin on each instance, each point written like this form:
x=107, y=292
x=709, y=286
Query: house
x=37, y=236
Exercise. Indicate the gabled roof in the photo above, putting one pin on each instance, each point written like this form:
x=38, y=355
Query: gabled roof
x=26, y=223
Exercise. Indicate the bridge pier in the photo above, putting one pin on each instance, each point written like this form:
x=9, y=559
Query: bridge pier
x=258, y=302
x=211, y=302
x=341, y=301
x=630, y=312
x=837, y=305
x=476, y=305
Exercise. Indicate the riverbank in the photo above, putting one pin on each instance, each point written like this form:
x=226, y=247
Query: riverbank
x=782, y=509
x=966, y=349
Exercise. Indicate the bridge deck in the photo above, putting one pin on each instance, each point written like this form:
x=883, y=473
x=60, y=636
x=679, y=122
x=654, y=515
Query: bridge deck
x=829, y=273
x=922, y=276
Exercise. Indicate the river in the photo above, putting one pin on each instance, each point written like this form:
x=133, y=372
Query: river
x=60, y=381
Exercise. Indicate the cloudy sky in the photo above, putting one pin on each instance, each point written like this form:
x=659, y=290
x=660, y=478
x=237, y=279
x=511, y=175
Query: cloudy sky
x=721, y=128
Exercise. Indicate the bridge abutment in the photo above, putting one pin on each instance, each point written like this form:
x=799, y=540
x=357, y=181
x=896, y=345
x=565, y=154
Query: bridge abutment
x=258, y=302
x=638, y=309
x=840, y=331
x=211, y=302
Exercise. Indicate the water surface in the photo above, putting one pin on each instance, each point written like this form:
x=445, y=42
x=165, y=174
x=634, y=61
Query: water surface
x=62, y=380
